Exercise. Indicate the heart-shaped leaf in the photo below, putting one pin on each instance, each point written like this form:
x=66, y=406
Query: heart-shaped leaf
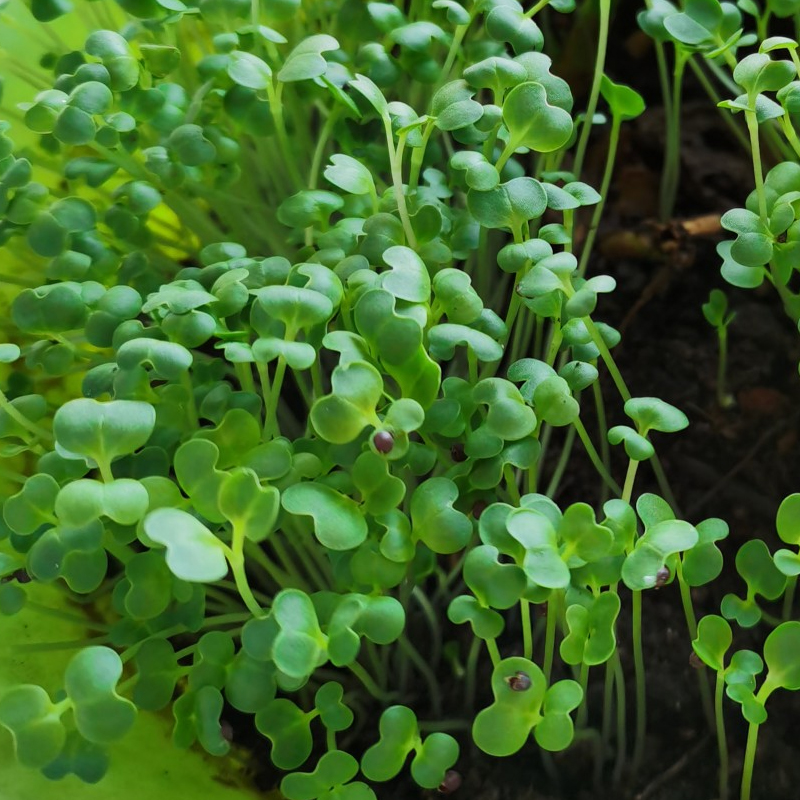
x=90, y=680
x=591, y=639
x=435, y=522
x=103, y=431
x=651, y=552
x=714, y=638
x=193, y=552
x=340, y=416
x=519, y=688
x=35, y=724
x=338, y=521
x=123, y=500
x=251, y=508
x=780, y=655
x=532, y=122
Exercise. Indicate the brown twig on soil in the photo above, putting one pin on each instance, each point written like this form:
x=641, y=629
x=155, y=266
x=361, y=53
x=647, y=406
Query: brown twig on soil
x=671, y=245
x=672, y=771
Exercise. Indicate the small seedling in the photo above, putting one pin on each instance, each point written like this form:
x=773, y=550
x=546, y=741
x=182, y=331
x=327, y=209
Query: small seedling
x=715, y=310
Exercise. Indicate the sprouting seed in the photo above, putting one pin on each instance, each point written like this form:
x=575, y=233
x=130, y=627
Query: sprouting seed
x=451, y=782
x=519, y=682
x=662, y=576
x=695, y=661
x=383, y=441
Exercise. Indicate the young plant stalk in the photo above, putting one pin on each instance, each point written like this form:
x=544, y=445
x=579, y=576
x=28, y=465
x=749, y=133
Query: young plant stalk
x=670, y=177
x=691, y=624
x=724, y=399
x=594, y=93
x=722, y=740
x=641, y=696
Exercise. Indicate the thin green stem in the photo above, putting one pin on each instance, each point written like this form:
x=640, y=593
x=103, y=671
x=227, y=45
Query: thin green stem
x=594, y=93
x=514, y=306
x=425, y=671
x=527, y=632
x=608, y=359
x=287, y=564
x=244, y=374
x=472, y=673
x=222, y=598
x=234, y=618
x=670, y=177
x=724, y=79
x=550, y=635
x=271, y=422
x=22, y=420
x=433, y=623
x=105, y=471
x=310, y=566
x=319, y=150
x=54, y=647
x=597, y=462
x=165, y=633
x=508, y=151
x=276, y=107
x=722, y=741
x=691, y=624
x=607, y=723
x=724, y=400
x=369, y=683
x=789, y=132
x=472, y=365
x=397, y=184
x=254, y=551
x=758, y=172
x=638, y=666
x=663, y=484
x=602, y=430
x=510, y=475
x=563, y=461
x=418, y=156
x=630, y=479
x=197, y=101
x=622, y=737
x=455, y=48
x=597, y=214
x=788, y=597
x=191, y=403
x=494, y=653
x=749, y=760
x=762, y=24
x=715, y=98
x=66, y=616
x=236, y=560
x=536, y=8
x=583, y=709
x=15, y=280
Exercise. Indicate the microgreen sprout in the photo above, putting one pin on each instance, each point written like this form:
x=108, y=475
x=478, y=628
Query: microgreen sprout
x=715, y=310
